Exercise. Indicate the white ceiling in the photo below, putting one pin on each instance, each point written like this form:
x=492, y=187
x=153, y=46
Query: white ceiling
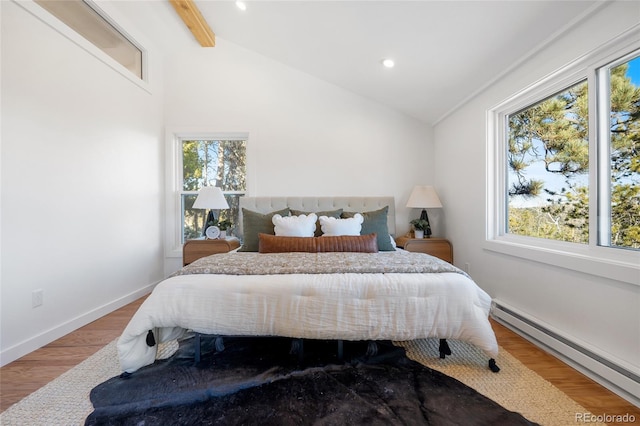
x=445, y=51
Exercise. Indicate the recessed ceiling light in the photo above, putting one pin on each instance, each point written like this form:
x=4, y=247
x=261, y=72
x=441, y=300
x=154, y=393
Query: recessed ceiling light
x=388, y=63
x=241, y=5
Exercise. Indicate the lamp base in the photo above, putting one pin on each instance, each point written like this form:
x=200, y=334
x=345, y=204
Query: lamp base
x=424, y=216
x=210, y=218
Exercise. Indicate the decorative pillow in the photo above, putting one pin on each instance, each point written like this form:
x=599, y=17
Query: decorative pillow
x=295, y=226
x=331, y=226
x=328, y=213
x=393, y=242
x=376, y=222
x=276, y=244
x=254, y=223
x=350, y=243
x=342, y=243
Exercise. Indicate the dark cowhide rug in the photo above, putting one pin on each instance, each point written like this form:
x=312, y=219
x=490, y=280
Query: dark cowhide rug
x=257, y=381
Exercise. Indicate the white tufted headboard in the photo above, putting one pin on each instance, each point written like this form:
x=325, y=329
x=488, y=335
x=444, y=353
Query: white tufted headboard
x=315, y=204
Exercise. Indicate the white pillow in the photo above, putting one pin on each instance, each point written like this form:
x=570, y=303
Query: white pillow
x=331, y=226
x=295, y=226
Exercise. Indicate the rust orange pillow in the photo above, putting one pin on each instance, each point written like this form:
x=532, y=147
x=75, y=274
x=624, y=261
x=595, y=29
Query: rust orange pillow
x=279, y=244
x=343, y=243
x=351, y=243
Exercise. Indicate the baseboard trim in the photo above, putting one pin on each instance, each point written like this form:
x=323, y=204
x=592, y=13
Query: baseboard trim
x=612, y=374
x=36, y=342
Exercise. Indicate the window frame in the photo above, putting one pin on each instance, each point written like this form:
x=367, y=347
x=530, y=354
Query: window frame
x=174, y=179
x=182, y=192
x=62, y=28
x=609, y=262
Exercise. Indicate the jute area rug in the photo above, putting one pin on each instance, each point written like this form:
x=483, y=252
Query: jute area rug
x=65, y=401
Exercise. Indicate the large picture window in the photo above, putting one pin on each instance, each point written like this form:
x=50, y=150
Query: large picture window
x=565, y=161
x=548, y=161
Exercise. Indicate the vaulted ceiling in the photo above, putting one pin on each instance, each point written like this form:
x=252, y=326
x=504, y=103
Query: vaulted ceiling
x=444, y=51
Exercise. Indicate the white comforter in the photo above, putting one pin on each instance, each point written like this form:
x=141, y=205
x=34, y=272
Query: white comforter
x=348, y=306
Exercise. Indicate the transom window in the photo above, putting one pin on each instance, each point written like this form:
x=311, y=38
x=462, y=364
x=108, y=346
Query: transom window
x=85, y=19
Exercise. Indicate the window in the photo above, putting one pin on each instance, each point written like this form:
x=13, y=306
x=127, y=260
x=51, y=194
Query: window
x=620, y=122
x=548, y=161
x=212, y=161
x=566, y=156
x=84, y=18
x=548, y=166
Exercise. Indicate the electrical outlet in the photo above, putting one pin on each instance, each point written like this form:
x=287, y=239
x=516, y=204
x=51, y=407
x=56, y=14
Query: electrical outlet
x=467, y=268
x=37, y=298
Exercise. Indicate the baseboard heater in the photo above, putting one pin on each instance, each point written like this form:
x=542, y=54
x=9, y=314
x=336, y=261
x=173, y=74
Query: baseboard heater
x=614, y=376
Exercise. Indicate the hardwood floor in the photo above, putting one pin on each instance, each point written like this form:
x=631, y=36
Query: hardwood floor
x=586, y=392
x=27, y=374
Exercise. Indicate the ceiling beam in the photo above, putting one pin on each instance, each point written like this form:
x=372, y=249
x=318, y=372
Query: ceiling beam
x=194, y=20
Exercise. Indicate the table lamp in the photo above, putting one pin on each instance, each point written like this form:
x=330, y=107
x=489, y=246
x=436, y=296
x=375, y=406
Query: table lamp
x=424, y=197
x=212, y=198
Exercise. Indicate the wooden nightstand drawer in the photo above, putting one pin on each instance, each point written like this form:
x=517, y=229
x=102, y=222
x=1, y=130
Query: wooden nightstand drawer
x=438, y=247
x=195, y=249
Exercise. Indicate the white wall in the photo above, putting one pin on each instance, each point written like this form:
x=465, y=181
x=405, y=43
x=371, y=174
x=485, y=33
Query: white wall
x=597, y=311
x=82, y=199
x=91, y=143
x=307, y=137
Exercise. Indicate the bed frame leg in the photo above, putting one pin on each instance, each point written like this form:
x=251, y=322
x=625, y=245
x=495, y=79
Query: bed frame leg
x=340, y=349
x=219, y=343
x=297, y=347
x=444, y=348
x=300, y=351
x=372, y=348
x=493, y=366
x=196, y=348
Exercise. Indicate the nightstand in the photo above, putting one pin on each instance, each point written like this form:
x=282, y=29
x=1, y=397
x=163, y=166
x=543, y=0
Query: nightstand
x=438, y=247
x=195, y=249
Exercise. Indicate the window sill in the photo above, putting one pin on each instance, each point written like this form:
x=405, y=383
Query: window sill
x=623, y=265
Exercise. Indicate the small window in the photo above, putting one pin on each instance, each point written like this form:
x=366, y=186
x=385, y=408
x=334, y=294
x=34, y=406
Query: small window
x=86, y=21
x=211, y=162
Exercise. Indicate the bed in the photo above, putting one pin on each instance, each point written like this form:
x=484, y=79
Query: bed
x=327, y=286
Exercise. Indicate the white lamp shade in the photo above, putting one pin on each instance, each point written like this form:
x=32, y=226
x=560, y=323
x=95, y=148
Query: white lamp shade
x=424, y=197
x=211, y=197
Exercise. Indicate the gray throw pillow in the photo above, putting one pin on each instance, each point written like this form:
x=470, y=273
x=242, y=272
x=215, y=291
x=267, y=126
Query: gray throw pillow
x=375, y=222
x=254, y=223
